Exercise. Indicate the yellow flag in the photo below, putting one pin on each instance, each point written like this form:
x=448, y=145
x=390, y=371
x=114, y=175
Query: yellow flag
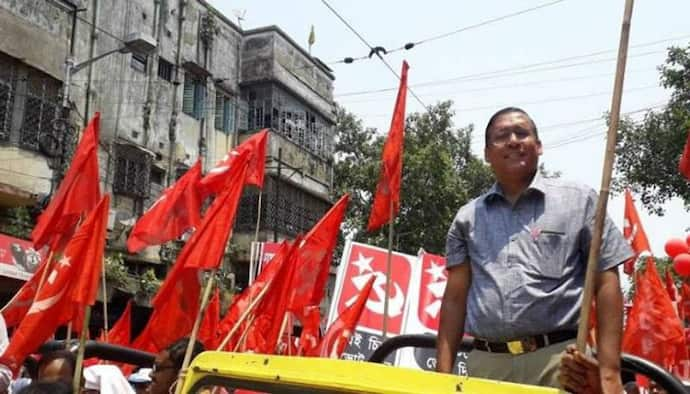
x=312, y=36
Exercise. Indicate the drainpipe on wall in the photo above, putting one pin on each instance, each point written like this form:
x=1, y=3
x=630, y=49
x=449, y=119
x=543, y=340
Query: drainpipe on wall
x=148, y=104
x=172, y=138
x=92, y=51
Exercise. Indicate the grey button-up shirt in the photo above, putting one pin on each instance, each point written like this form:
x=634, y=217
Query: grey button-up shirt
x=528, y=260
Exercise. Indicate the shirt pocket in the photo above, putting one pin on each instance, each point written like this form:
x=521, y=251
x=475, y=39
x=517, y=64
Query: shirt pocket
x=551, y=246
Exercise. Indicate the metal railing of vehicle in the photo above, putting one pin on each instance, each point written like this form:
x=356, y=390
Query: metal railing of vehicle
x=629, y=363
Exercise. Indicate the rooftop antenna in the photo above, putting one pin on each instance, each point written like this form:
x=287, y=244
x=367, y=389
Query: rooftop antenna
x=239, y=14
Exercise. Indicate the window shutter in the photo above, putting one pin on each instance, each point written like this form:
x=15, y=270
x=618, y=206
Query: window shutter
x=188, y=95
x=219, y=114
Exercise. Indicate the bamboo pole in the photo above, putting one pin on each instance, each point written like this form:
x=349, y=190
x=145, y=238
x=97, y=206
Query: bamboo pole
x=242, y=318
x=68, y=336
x=258, y=216
x=600, y=216
x=105, y=303
x=44, y=274
x=76, y=379
x=195, y=331
x=240, y=343
x=282, y=330
x=386, y=293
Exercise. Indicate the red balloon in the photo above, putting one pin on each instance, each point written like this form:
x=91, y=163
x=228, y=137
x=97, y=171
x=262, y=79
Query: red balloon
x=687, y=239
x=675, y=246
x=681, y=263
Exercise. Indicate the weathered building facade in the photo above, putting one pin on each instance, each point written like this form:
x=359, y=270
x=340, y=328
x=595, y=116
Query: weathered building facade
x=205, y=87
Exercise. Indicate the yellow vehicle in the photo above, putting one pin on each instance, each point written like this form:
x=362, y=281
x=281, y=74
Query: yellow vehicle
x=281, y=374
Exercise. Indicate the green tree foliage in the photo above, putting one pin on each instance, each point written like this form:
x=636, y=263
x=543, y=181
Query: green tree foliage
x=648, y=151
x=440, y=174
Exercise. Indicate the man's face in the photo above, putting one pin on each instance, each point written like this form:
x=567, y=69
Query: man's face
x=163, y=375
x=513, y=149
x=56, y=370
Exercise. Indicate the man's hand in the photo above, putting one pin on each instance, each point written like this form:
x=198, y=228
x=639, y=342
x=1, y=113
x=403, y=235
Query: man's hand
x=452, y=323
x=580, y=372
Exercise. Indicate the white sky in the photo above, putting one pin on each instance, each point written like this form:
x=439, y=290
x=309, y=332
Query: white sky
x=565, y=94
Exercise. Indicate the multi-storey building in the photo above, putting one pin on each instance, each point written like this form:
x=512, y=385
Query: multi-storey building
x=205, y=85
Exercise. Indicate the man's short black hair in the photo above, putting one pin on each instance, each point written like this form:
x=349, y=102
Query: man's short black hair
x=504, y=111
x=177, y=350
x=61, y=354
x=47, y=388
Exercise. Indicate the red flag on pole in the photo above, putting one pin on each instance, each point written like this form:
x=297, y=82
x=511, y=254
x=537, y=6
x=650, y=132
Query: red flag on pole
x=71, y=285
x=78, y=193
x=314, y=261
x=685, y=300
x=16, y=308
x=241, y=302
x=634, y=233
x=209, y=325
x=121, y=331
x=653, y=329
x=271, y=311
x=672, y=291
x=212, y=236
x=388, y=187
x=338, y=334
x=176, y=210
x=684, y=164
x=255, y=147
x=311, y=336
x=178, y=298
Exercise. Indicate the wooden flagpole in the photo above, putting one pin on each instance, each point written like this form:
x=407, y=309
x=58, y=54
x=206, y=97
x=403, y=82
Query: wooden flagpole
x=386, y=293
x=105, y=303
x=600, y=216
x=243, y=338
x=195, y=331
x=282, y=330
x=76, y=379
x=258, y=216
x=244, y=315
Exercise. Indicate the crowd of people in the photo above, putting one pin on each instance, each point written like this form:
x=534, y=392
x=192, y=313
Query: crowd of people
x=53, y=372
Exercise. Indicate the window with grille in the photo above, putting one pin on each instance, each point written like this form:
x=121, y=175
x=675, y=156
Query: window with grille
x=6, y=102
x=165, y=69
x=194, y=95
x=286, y=209
x=41, y=110
x=132, y=172
x=224, y=114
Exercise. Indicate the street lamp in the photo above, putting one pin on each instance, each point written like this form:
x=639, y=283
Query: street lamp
x=134, y=42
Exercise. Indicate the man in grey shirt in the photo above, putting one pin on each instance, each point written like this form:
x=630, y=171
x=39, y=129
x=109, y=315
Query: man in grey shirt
x=517, y=257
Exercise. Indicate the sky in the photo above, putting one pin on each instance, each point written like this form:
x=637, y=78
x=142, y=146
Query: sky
x=556, y=61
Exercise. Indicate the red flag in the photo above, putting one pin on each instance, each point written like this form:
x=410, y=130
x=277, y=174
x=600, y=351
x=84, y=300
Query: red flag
x=69, y=287
x=672, y=291
x=634, y=233
x=16, y=308
x=175, y=211
x=241, y=302
x=388, y=188
x=207, y=244
x=178, y=298
x=209, y=326
x=338, y=334
x=272, y=309
x=653, y=329
x=120, y=333
x=314, y=262
x=684, y=164
x=255, y=147
x=77, y=194
x=311, y=336
x=685, y=300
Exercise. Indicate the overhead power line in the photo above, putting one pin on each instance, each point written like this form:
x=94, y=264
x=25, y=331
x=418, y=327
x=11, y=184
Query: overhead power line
x=414, y=44
x=528, y=67
x=374, y=51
